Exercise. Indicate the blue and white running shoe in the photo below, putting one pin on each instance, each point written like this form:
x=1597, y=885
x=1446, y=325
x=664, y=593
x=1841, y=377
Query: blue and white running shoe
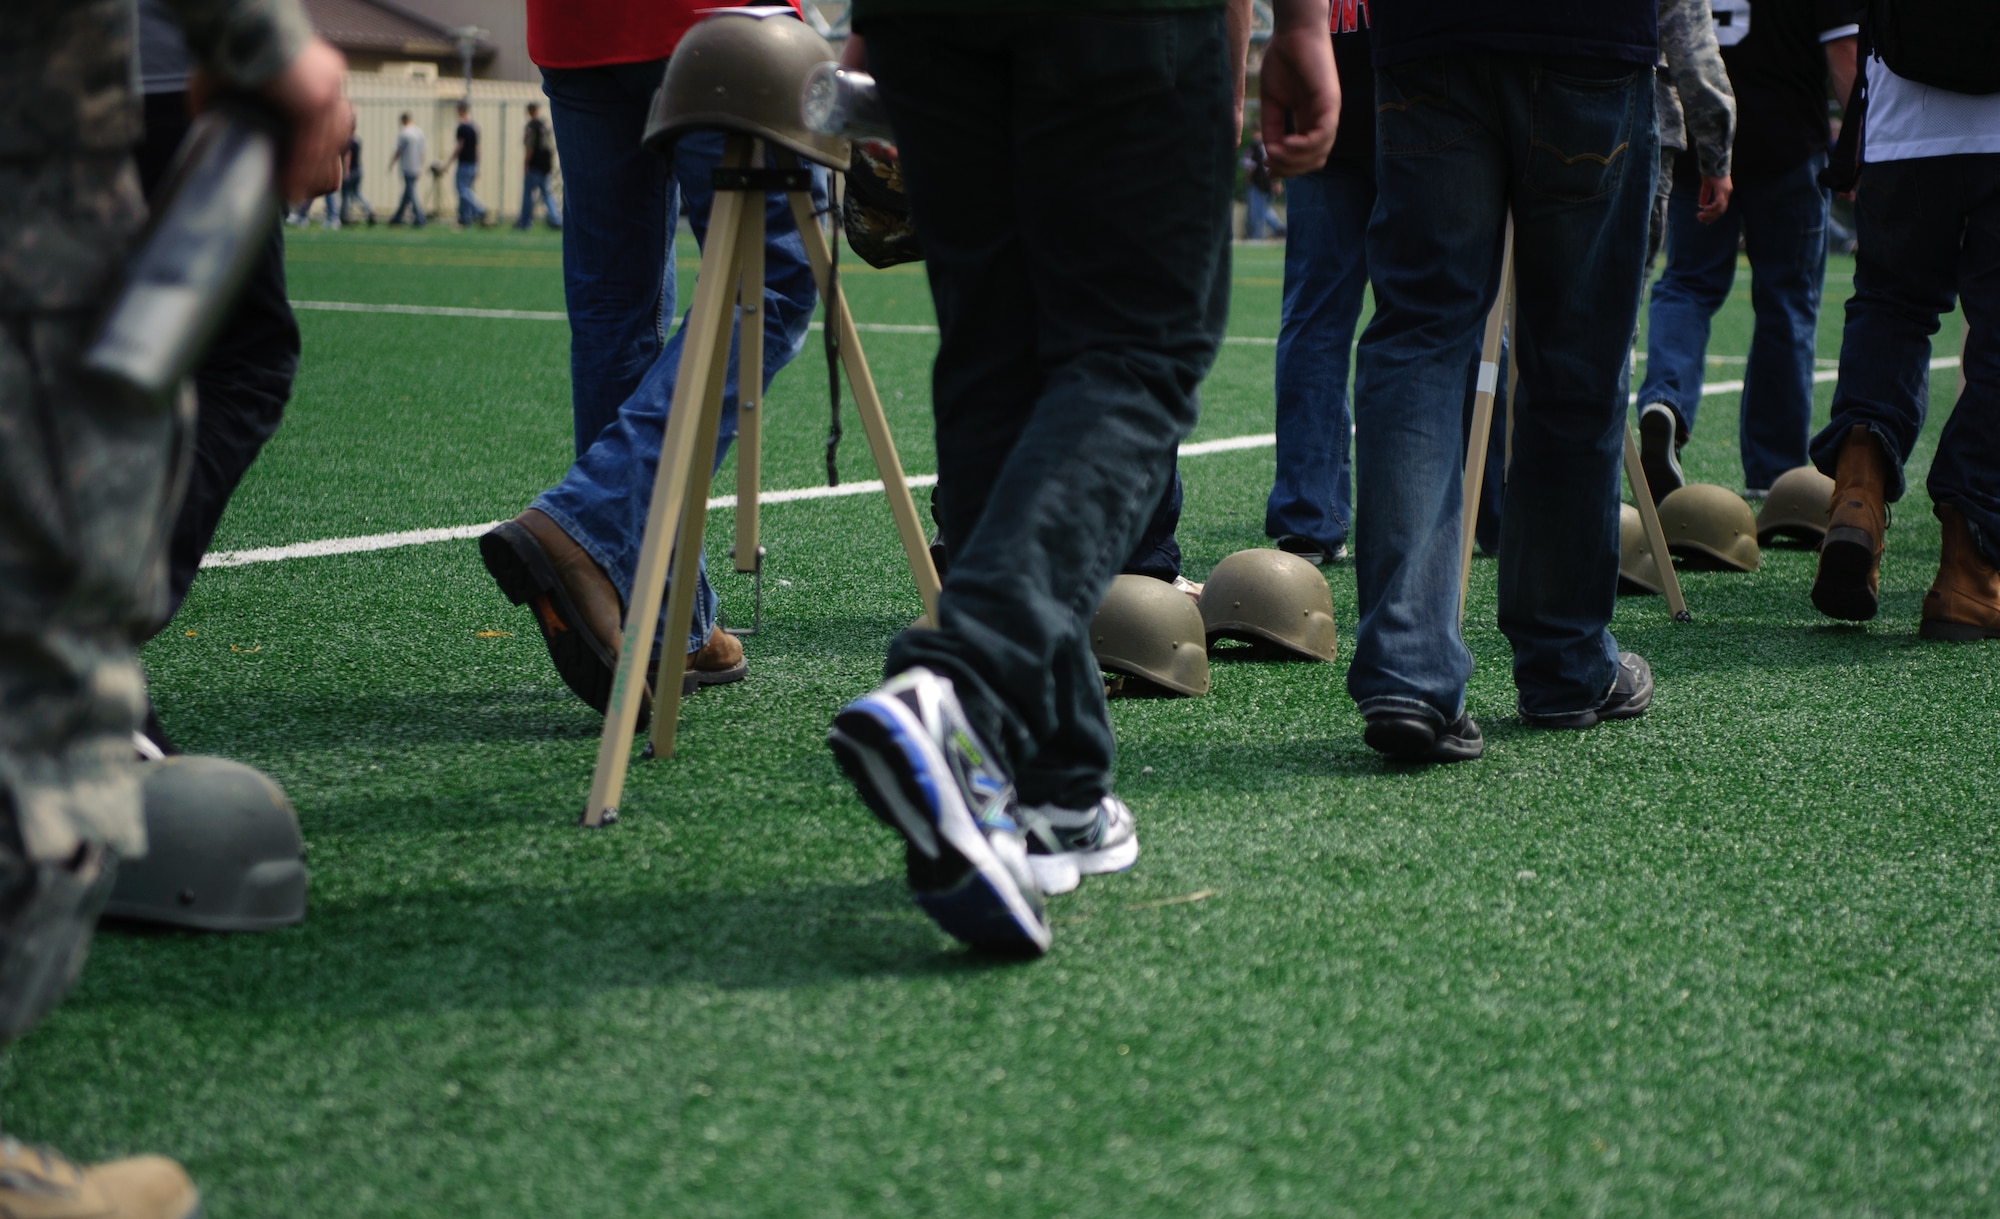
x=916, y=761
x=1067, y=844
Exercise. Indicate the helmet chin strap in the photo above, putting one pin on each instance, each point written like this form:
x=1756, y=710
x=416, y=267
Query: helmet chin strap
x=832, y=331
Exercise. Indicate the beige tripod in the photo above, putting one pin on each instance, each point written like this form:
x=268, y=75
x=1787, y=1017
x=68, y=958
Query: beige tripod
x=1482, y=423
x=732, y=276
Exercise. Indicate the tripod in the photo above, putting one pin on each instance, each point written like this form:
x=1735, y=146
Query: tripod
x=1497, y=319
x=730, y=285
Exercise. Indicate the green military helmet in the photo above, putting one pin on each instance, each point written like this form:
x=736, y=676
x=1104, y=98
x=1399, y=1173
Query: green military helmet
x=1799, y=506
x=1710, y=526
x=744, y=71
x=1638, y=570
x=1273, y=600
x=223, y=854
x=1148, y=629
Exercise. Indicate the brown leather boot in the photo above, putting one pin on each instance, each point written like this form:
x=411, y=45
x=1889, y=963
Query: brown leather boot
x=1964, y=601
x=1848, y=584
x=578, y=609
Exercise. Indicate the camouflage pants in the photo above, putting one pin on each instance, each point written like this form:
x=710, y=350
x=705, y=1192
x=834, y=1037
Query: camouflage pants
x=87, y=486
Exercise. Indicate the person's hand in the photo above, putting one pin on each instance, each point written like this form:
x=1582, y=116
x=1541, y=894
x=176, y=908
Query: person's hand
x=1300, y=91
x=308, y=93
x=1715, y=194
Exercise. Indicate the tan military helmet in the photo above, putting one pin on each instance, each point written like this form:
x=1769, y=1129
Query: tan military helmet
x=1148, y=629
x=1638, y=570
x=1710, y=526
x=744, y=72
x=1798, y=507
x=1272, y=600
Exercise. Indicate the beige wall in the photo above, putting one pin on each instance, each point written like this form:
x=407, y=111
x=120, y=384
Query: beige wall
x=498, y=107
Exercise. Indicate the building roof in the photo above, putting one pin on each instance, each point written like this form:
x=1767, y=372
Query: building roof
x=384, y=29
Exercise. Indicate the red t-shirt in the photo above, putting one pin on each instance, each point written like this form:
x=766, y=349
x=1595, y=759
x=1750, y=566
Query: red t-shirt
x=592, y=33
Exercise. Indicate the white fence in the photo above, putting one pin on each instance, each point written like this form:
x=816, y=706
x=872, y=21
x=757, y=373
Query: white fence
x=499, y=109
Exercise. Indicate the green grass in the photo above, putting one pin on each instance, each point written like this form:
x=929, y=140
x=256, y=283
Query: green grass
x=1735, y=958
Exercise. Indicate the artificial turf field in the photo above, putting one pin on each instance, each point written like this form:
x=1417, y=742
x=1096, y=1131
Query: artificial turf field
x=1738, y=957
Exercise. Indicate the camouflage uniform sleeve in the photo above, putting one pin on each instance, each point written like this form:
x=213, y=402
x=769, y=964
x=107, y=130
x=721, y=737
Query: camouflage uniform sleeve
x=1687, y=43
x=243, y=42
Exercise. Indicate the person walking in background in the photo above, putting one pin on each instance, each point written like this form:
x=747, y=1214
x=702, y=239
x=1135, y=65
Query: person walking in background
x=1326, y=274
x=1259, y=217
x=408, y=159
x=538, y=161
x=1781, y=56
x=350, y=181
x=465, y=155
x=1484, y=111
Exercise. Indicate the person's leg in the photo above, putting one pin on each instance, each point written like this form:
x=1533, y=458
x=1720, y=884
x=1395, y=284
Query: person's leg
x=1784, y=233
x=526, y=215
x=618, y=255
x=1050, y=472
x=1701, y=264
x=1966, y=471
x=1434, y=242
x=1158, y=552
x=1584, y=156
x=1326, y=275
x=602, y=502
x=417, y=216
x=552, y=213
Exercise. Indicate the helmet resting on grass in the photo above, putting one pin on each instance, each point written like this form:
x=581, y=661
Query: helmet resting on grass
x=1799, y=507
x=1710, y=526
x=224, y=851
x=1277, y=602
x=1150, y=630
x=1638, y=570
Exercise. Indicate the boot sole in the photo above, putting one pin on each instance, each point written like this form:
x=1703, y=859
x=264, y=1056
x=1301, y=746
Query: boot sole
x=1954, y=632
x=1840, y=590
x=1656, y=454
x=522, y=569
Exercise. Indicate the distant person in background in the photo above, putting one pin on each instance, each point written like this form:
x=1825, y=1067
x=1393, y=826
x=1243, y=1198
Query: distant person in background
x=465, y=154
x=409, y=160
x=539, y=161
x=1259, y=217
x=350, y=182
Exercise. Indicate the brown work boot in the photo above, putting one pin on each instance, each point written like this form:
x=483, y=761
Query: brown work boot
x=1964, y=601
x=1849, y=581
x=578, y=609
x=36, y=1183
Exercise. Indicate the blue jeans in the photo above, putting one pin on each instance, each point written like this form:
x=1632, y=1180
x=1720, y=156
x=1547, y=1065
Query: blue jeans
x=1077, y=314
x=1259, y=217
x=350, y=194
x=409, y=202
x=602, y=501
x=470, y=209
x=534, y=182
x=1326, y=275
x=1569, y=146
x=1929, y=228
x=1782, y=221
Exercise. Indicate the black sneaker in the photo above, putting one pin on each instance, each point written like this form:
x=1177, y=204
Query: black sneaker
x=1660, y=450
x=1631, y=693
x=1401, y=736
x=922, y=770
x=1311, y=551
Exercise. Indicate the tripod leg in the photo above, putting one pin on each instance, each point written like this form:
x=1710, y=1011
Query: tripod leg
x=750, y=390
x=1656, y=537
x=1482, y=418
x=684, y=583
x=705, y=347
x=868, y=404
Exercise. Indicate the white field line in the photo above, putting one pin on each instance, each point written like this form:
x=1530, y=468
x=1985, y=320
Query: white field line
x=455, y=533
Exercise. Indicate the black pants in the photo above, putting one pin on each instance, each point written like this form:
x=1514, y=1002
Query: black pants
x=243, y=383
x=1070, y=177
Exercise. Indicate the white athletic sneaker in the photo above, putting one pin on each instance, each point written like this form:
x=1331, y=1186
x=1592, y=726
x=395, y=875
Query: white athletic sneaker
x=1067, y=844
x=925, y=773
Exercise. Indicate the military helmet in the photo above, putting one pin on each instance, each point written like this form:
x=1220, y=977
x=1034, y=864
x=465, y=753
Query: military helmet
x=224, y=851
x=1710, y=525
x=1638, y=570
x=1149, y=629
x=1798, y=507
x=1273, y=600
x=744, y=71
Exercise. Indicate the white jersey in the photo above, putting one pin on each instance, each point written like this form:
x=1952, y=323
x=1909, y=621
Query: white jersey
x=1907, y=120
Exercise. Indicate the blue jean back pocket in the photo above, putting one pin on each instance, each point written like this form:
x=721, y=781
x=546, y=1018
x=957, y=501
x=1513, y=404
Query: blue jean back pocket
x=1581, y=134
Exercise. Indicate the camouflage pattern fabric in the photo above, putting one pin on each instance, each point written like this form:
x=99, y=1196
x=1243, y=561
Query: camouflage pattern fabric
x=876, y=213
x=88, y=479
x=1696, y=106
